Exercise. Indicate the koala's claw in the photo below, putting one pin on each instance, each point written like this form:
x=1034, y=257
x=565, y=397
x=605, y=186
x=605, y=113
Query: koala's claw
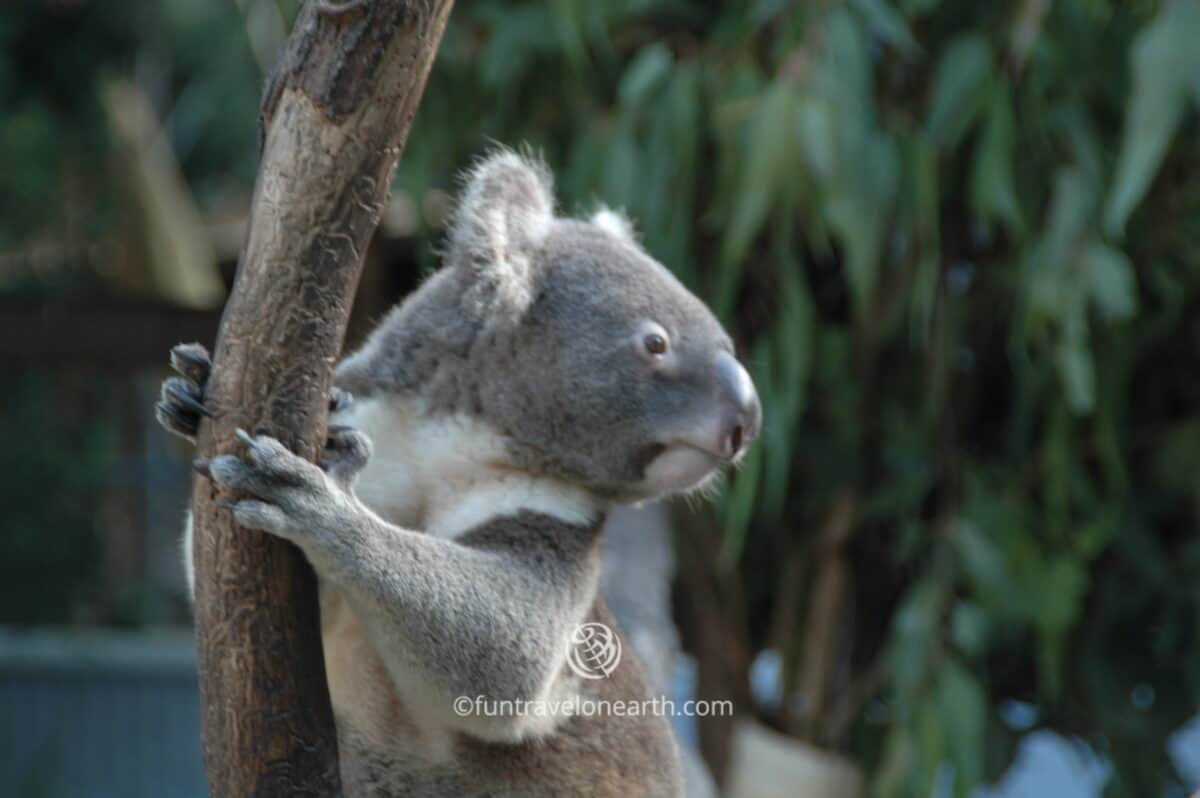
x=175, y=422
x=181, y=403
x=192, y=361
x=180, y=407
x=267, y=469
x=339, y=399
x=286, y=495
x=271, y=461
x=184, y=394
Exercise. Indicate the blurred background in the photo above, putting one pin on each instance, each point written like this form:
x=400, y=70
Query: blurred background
x=958, y=244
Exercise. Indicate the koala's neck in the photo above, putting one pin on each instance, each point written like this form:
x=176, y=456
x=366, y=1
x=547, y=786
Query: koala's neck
x=446, y=474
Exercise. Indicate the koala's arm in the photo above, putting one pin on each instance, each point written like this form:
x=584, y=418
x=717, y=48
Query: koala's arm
x=486, y=615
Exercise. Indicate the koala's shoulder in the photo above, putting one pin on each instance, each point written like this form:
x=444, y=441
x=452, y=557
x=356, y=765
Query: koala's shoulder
x=425, y=332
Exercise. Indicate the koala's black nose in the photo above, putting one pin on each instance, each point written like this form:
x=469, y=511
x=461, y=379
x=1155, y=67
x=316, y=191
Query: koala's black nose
x=743, y=411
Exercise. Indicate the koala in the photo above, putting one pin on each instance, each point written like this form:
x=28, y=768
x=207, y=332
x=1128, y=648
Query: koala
x=550, y=370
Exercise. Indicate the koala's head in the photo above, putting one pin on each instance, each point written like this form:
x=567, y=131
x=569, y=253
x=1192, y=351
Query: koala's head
x=586, y=354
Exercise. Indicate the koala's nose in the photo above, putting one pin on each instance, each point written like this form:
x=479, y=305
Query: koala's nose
x=743, y=411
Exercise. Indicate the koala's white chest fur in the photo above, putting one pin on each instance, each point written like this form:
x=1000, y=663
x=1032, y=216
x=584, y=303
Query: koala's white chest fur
x=444, y=475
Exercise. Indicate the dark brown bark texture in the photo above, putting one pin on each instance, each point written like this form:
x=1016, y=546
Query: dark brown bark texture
x=335, y=118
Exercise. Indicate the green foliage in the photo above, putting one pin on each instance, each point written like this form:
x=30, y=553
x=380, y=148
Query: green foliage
x=960, y=287
x=52, y=462
x=59, y=180
x=49, y=102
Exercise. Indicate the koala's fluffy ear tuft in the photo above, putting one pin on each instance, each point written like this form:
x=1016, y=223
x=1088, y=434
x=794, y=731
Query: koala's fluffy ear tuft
x=615, y=222
x=505, y=213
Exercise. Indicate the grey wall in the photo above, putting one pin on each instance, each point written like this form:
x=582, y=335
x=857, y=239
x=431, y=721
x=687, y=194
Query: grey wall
x=99, y=715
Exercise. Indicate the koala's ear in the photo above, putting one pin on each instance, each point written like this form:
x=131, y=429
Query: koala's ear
x=505, y=213
x=615, y=222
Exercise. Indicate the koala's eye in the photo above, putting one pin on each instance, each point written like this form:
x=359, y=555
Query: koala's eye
x=655, y=343
x=652, y=342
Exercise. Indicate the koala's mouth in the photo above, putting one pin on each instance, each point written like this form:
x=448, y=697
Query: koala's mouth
x=648, y=455
x=677, y=467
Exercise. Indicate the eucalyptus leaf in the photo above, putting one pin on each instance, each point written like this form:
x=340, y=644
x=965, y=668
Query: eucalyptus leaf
x=925, y=230
x=648, y=71
x=857, y=211
x=962, y=708
x=986, y=565
x=1060, y=595
x=912, y=638
x=887, y=23
x=1078, y=373
x=915, y=8
x=993, y=184
x=970, y=628
x=1165, y=61
x=770, y=150
x=963, y=69
x=515, y=41
x=1111, y=279
x=1070, y=210
x=817, y=131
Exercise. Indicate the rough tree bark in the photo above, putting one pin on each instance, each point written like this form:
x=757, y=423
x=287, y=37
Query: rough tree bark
x=335, y=117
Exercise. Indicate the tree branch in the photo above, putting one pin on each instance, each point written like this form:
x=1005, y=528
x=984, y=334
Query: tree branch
x=335, y=118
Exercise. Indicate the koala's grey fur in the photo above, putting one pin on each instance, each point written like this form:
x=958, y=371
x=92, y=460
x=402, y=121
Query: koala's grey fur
x=509, y=401
x=559, y=383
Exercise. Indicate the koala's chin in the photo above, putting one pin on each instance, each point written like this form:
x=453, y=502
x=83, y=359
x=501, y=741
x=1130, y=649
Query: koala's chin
x=680, y=468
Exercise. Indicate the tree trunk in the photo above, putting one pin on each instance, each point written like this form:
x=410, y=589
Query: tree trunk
x=335, y=117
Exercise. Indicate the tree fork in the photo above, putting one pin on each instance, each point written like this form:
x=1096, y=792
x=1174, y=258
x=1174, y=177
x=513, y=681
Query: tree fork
x=335, y=118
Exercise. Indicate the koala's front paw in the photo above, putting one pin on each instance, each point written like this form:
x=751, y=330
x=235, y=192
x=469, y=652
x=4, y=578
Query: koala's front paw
x=181, y=404
x=339, y=399
x=290, y=497
x=346, y=454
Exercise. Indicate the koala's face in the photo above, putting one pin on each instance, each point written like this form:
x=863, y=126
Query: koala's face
x=635, y=383
x=606, y=371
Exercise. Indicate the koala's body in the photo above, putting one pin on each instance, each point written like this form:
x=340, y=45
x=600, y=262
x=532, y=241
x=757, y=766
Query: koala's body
x=550, y=369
